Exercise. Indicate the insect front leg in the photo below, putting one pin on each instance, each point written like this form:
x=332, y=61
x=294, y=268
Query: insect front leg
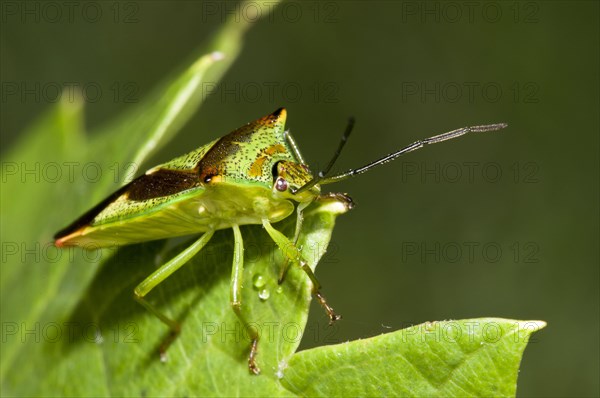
x=288, y=246
x=299, y=220
x=160, y=275
x=235, y=292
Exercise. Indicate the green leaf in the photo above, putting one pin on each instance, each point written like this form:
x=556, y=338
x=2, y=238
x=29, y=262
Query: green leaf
x=71, y=327
x=474, y=358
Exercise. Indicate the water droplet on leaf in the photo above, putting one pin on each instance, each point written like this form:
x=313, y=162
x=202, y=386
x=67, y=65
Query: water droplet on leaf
x=264, y=294
x=259, y=281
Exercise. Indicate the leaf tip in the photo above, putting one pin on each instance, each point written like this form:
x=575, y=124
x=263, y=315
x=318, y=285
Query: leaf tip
x=536, y=325
x=527, y=328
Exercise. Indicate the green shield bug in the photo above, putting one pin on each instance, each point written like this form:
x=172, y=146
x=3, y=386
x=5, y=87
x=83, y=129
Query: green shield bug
x=253, y=175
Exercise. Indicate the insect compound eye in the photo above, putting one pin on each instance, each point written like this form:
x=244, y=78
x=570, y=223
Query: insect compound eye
x=281, y=185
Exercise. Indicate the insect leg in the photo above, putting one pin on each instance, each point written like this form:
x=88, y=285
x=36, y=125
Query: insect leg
x=160, y=275
x=235, y=292
x=291, y=251
x=299, y=220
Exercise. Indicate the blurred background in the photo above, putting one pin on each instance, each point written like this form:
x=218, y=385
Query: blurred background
x=502, y=224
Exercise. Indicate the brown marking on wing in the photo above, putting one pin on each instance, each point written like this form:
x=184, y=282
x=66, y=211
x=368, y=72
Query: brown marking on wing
x=162, y=182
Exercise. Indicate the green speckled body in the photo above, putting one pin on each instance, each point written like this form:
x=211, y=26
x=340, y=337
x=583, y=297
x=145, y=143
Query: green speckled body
x=227, y=182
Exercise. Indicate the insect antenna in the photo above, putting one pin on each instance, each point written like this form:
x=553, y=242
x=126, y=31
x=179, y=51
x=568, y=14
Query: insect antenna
x=321, y=179
x=321, y=174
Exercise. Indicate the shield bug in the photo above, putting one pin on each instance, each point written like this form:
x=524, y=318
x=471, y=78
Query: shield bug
x=253, y=175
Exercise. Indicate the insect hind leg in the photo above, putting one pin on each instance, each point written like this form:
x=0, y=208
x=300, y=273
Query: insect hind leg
x=159, y=276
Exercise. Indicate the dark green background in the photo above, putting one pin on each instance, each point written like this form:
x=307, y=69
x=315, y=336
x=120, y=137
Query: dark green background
x=358, y=58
